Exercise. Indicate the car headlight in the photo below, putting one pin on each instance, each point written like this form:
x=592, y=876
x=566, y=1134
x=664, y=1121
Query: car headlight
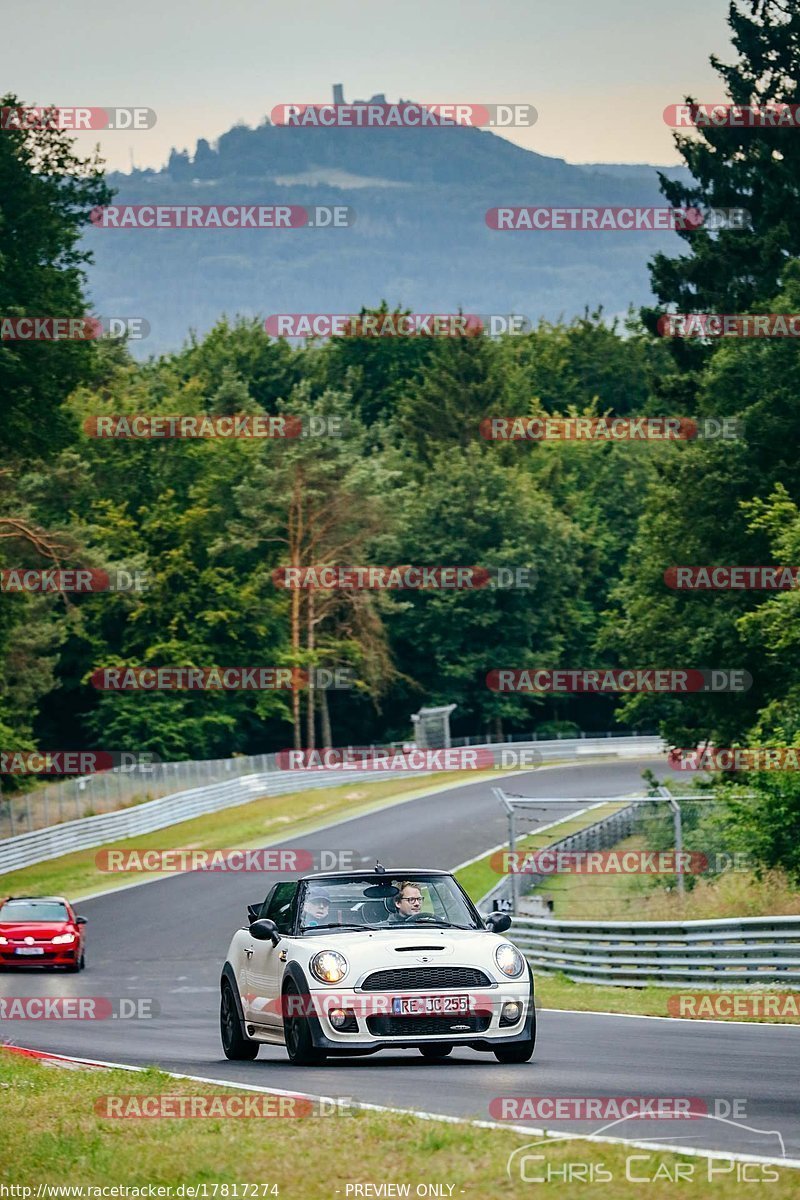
x=329, y=966
x=3, y=941
x=63, y=938
x=509, y=960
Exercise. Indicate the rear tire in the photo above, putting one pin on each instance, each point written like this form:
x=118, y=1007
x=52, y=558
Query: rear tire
x=297, y=1035
x=435, y=1052
x=234, y=1044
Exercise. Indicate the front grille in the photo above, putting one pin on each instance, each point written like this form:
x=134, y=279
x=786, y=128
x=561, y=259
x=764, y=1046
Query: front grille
x=31, y=958
x=411, y=1027
x=410, y=979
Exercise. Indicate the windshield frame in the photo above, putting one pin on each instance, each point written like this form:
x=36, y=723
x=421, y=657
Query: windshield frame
x=298, y=930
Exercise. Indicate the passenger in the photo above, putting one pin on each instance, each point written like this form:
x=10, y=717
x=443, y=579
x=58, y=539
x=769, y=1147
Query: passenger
x=315, y=910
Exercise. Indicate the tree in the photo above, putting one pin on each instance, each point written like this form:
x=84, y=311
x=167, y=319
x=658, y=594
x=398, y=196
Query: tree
x=471, y=509
x=46, y=195
x=754, y=169
x=308, y=505
x=699, y=511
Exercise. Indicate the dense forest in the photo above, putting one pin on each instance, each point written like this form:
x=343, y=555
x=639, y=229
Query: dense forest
x=407, y=478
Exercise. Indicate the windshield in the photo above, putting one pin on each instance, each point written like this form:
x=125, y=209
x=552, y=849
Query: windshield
x=381, y=902
x=33, y=910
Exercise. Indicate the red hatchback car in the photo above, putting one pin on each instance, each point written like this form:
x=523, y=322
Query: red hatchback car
x=41, y=931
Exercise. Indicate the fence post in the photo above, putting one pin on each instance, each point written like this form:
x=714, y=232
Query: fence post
x=676, y=816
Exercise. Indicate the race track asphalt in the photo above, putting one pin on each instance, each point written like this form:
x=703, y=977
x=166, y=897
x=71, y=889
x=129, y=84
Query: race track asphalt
x=167, y=940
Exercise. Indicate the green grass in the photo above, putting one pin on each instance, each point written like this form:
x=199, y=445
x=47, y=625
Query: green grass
x=257, y=823
x=480, y=877
x=53, y=1135
x=556, y=991
x=642, y=897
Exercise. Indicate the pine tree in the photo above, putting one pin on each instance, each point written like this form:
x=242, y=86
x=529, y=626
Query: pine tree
x=757, y=169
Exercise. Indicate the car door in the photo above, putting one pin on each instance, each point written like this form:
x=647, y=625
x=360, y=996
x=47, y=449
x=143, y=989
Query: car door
x=264, y=964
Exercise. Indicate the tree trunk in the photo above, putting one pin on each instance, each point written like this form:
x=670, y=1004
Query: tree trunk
x=311, y=705
x=325, y=720
x=295, y=532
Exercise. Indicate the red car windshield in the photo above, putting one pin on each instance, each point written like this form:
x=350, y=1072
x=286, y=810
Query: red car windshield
x=24, y=911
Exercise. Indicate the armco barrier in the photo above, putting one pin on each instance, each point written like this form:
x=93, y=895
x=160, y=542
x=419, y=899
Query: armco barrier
x=55, y=840
x=738, y=950
x=597, y=836
x=140, y=781
x=68, y=836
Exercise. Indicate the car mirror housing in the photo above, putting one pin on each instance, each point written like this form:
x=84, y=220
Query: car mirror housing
x=265, y=930
x=498, y=922
x=80, y=920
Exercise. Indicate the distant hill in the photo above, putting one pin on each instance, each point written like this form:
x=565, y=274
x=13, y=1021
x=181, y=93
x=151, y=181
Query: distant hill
x=420, y=237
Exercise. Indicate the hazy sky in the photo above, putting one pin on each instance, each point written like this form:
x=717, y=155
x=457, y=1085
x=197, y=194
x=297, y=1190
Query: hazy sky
x=599, y=72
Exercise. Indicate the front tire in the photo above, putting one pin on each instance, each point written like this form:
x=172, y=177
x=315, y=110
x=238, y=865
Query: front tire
x=297, y=1034
x=519, y=1052
x=435, y=1052
x=234, y=1044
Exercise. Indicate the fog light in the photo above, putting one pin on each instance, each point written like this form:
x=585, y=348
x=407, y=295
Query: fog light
x=337, y=1017
x=511, y=1012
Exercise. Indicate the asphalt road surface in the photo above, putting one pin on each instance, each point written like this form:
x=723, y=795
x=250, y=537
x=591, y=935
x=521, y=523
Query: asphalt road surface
x=167, y=940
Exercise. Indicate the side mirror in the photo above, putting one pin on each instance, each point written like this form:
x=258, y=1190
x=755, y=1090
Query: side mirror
x=498, y=922
x=265, y=930
x=80, y=920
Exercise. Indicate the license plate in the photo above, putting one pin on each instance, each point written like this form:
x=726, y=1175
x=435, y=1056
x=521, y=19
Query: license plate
x=29, y=950
x=414, y=1006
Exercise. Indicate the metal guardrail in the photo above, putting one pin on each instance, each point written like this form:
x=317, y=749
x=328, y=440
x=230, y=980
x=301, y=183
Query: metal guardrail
x=86, y=832
x=597, y=836
x=52, y=842
x=737, y=950
x=108, y=791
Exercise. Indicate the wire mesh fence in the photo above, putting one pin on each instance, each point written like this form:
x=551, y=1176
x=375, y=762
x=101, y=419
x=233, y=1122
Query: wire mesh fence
x=122, y=787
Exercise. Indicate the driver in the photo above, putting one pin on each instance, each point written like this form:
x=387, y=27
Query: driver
x=407, y=903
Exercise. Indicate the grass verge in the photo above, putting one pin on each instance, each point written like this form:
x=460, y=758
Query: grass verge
x=734, y=893
x=53, y=1135
x=556, y=991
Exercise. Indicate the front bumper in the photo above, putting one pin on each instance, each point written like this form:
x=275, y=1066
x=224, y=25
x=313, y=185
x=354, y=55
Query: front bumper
x=52, y=956
x=481, y=1029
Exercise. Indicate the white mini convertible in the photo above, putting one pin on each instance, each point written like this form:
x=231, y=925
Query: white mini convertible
x=359, y=961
